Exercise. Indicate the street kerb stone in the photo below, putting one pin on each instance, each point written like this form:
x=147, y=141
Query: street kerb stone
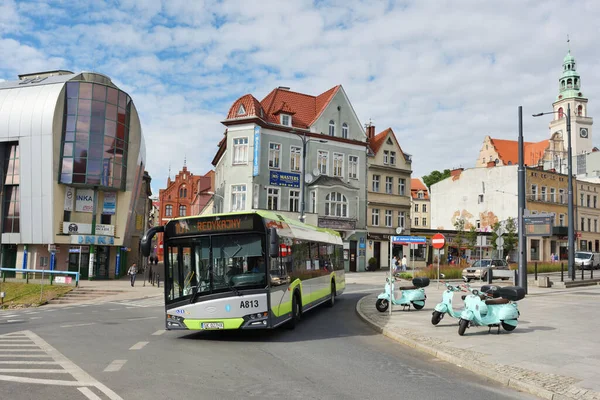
x=543, y=385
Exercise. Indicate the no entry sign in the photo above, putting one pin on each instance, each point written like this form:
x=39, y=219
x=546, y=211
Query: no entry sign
x=438, y=241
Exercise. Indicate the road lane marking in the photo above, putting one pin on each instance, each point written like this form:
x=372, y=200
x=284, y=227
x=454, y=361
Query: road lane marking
x=141, y=318
x=75, y=325
x=115, y=366
x=11, y=340
x=88, y=393
x=138, y=345
x=33, y=371
x=25, y=355
x=15, y=320
x=35, y=317
x=29, y=362
x=158, y=333
x=17, y=345
x=30, y=350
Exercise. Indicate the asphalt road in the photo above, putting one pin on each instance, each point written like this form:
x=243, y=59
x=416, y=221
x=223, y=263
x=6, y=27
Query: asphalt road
x=120, y=351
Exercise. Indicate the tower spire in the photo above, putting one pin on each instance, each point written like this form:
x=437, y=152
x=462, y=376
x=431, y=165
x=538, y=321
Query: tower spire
x=568, y=43
x=169, y=170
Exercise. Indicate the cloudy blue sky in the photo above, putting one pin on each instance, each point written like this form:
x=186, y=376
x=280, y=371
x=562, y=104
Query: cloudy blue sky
x=443, y=74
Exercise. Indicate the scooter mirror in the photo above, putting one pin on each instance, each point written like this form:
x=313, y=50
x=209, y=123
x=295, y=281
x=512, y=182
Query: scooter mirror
x=442, y=276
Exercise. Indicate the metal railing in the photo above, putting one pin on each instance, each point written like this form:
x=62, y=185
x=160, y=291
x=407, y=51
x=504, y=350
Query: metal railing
x=51, y=274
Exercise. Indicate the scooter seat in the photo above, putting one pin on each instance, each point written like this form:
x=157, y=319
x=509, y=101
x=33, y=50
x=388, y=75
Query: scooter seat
x=407, y=288
x=498, y=300
x=481, y=296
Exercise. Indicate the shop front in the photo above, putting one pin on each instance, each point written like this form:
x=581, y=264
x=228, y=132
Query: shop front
x=355, y=241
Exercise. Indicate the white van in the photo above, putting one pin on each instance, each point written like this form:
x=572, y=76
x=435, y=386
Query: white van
x=587, y=260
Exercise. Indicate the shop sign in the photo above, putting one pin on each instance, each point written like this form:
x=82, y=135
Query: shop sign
x=109, y=207
x=74, y=228
x=84, y=202
x=337, y=224
x=378, y=236
x=69, y=198
x=285, y=179
x=92, y=239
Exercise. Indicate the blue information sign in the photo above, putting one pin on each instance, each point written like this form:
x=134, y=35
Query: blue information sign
x=286, y=179
x=409, y=239
x=256, y=161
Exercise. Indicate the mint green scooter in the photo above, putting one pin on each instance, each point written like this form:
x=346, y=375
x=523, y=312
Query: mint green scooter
x=445, y=307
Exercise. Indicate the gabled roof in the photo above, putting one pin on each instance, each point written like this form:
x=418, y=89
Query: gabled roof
x=251, y=106
x=379, y=139
x=417, y=185
x=508, y=151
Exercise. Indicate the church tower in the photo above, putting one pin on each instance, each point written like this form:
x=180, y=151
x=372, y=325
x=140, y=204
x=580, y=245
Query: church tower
x=569, y=86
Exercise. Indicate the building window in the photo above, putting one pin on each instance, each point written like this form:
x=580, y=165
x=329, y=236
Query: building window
x=416, y=208
x=294, y=200
x=386, y=157
x=241, y=110
x=595, y=203
x=238, y=197
x=533, y=192
x=331, y=128
x=416, y=221
x=183, y=192
x=553, y=195
x=313, y=202
x=401, y=186
x=389, y=184
x=375, y=217
x=295, y=158
x=376, y=183
x=353, y=167
x=401, y=218
x=392, y=158
x=338, y=165
x=336, y=205
x=582, y=226
x=322, y=161
x=388, y=218
x=420, y=195
x=424, y=221
x=12, y=179
x=561, y=113
x=561, y=219
x=182, y=210
x=561, y=196
x=544, y=194
x=595, y=225
x=589, y=225
x=274, y=150
x=424, y=208
x=168, y=210
x=240, y=150
x=581, y=195
x=105, y=219
x=589, y=200
x=480, y=199
x=286, y=120
x=95, y=138
x=345, y=130
x=272, y=199
x=478, y=224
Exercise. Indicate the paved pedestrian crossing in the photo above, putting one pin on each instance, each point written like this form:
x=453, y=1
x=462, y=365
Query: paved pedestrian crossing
x=157, y=301
x=27, y=358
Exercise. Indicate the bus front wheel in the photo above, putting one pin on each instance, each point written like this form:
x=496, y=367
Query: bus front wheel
x=295, y=311
x=331, y=301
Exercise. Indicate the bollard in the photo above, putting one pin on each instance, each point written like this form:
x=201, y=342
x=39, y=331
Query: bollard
x=157, y=280
x=26, y=277
x=490, y=275
x=592, y=273
x=535, y=270
x=562, y=272
x=3, y=276
x=51, y=279
x=582, y=269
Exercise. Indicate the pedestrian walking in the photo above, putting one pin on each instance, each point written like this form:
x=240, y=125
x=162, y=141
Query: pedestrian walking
x=132, y=273
x=404, y=263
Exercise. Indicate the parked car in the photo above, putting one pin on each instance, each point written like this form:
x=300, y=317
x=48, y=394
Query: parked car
x=479, y=269
x=587, y=260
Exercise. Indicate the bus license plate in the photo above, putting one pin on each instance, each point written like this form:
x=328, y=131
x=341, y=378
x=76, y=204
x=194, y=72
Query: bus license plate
x=212, y=325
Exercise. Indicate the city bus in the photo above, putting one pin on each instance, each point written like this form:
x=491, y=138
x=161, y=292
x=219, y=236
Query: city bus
x=246, y=270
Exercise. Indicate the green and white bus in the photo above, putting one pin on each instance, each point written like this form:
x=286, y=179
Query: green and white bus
x=246, y=270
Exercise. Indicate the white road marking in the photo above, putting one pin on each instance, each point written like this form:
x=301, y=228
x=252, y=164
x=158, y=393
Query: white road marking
x=158, y=333
x=17, y=345
x=35, y=317
x=11, y=340
x=88, y=393
x=115, y=366
x=141, y=318
x=29, y=362
x=74, y=325
x=33, y=371
x=31, y=350
x=10, y=315
x=138, y=345
x=82, y=378
x=112, y=309
x=15, y=320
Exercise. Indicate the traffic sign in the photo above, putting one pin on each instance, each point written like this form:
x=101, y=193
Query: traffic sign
x=500, y=241
x=438, y=241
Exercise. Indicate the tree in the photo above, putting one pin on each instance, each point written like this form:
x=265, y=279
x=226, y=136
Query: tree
x=495, y=228
x=472, y=239
x=459, y=226
x=510, y=239
x=435, y=177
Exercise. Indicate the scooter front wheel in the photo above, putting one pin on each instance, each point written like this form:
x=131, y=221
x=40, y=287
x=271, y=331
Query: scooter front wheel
x=382, y=305
x=436, y=317
x=462, y=326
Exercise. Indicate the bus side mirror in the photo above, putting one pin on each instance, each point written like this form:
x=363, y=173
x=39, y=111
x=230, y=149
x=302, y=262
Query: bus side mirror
x=273, y=243
x=146, y=242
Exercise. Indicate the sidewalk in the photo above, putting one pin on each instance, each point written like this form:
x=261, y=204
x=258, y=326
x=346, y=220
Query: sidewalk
x=123, y=286
x=554, y=353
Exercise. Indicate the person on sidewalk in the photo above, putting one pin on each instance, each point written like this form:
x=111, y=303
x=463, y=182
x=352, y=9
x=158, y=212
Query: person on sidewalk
x=404, y=263
x=132, y=273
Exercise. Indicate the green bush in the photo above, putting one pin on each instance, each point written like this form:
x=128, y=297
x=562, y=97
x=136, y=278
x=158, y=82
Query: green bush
x=541, y=267
x=450, y=272
x=406, y=275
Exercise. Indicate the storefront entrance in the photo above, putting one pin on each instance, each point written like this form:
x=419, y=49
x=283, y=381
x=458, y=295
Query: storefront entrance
x=102, y=262
x=74, y=259
x=9, y=259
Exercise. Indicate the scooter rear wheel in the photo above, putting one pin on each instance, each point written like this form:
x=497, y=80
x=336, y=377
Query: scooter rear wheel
x=462, y=326
x=507, y=327
x=417, y=306
x=382, y=305
x=436, y=317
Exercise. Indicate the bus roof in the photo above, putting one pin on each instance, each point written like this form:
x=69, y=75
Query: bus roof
x=297, y=228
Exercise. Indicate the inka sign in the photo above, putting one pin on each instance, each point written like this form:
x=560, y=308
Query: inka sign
x=92, y=239
x=84, y=201
x=285, y=179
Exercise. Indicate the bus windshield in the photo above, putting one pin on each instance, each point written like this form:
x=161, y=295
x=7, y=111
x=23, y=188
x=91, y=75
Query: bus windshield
x=212, y=264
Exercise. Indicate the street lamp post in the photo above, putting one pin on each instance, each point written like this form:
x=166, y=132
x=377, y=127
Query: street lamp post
x=218, y=195
x=303, y=183
x=571, y=211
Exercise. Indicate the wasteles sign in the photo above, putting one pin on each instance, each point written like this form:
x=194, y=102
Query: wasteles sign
x=84, y=201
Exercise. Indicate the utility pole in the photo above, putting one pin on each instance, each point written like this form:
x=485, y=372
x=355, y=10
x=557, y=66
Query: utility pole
x=522, y=239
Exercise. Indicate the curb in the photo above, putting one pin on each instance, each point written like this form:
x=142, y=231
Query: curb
x=461, y=362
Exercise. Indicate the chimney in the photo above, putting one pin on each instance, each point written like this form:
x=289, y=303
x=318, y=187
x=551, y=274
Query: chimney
x=456, y=171
x=370, y=132
x=491, y=164
x=284, y=88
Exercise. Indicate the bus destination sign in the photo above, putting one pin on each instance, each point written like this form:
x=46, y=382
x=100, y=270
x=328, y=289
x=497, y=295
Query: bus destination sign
x=211, y=225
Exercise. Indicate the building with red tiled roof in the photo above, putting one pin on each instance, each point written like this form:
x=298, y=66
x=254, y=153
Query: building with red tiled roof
x=388, y=194
x=420, y=204
x=259, y=162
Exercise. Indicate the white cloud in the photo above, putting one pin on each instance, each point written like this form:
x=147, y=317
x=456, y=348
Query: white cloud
x=442, y=74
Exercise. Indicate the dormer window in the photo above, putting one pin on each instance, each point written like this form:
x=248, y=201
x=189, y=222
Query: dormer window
x=286, y=120
x=331, y=128
x=389, y=141
x=241, y=110
x=420, y=195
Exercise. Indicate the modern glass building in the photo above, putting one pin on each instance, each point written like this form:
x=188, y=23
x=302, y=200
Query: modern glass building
x=73, y=170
